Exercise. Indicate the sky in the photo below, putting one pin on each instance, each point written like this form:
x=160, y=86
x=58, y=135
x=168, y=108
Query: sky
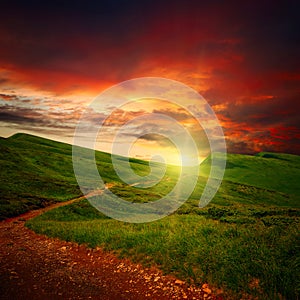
x=241, y=56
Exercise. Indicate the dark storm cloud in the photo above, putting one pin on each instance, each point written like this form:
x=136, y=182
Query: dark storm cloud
x=108, y=38
x=270, y=112
x=54, y=35
x=271, y=35
x=13, y=118
x=20, y=116
x=45, y=34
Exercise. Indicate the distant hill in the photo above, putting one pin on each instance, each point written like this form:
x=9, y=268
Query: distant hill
x=272, y=171
x=36, y=172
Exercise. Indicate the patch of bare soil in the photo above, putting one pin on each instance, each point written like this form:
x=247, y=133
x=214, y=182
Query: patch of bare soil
x=37, y=267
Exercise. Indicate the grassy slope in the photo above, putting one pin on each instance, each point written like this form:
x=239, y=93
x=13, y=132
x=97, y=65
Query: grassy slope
x=249, y=232
x=36, y=172
x=271, y=171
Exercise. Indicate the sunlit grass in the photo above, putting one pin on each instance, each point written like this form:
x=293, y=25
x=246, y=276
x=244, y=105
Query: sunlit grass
x=227, y=247
x=248, y=233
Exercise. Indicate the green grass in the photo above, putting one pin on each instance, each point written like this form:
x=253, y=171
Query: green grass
x=248, y=233
x=269, y=171
x=229, y=247
x=36, y=172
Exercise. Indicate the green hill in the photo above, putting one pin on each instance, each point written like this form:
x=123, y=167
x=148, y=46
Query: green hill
x=38, y=171
x=35, y=172
x=269, y=171
x=248, y=233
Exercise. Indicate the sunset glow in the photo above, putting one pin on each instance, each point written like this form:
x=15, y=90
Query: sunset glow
x=243, y=58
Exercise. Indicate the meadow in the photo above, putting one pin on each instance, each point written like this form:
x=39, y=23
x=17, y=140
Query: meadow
x=35, y=172
x=246, y=241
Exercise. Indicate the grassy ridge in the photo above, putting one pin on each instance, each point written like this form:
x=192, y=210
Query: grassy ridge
x=36, y=172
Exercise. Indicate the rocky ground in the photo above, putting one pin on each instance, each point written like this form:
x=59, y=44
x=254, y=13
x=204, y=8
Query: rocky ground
x=37, y=267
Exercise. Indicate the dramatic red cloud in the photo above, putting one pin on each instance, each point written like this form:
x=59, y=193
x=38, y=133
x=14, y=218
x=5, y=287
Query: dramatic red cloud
x=242, y=57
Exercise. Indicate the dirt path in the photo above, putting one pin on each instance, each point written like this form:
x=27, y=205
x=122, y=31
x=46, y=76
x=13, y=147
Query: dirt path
x=37, y=267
